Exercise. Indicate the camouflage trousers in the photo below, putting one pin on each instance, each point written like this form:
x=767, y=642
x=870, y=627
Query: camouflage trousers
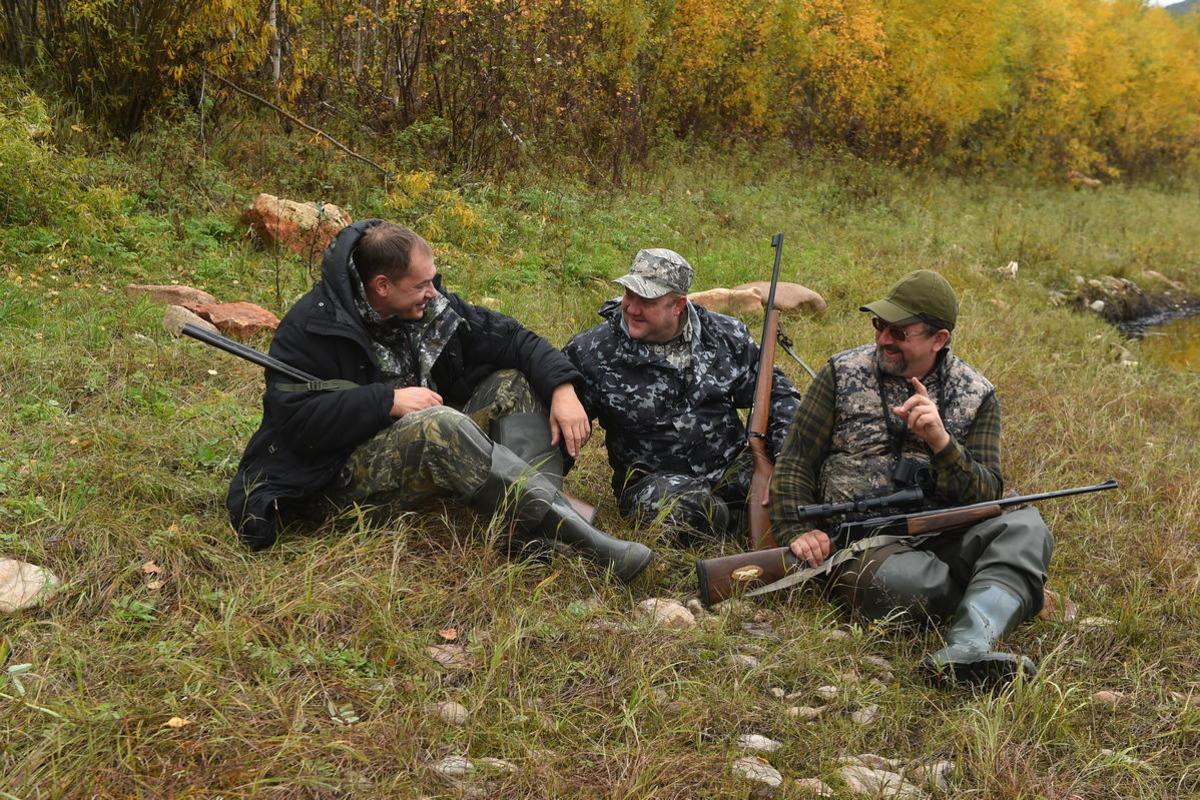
x=926, y=581
x=433, y=453
x=689, y=507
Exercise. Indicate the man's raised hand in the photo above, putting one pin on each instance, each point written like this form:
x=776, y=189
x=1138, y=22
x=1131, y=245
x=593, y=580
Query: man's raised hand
x=568, y=420
x=920, y=414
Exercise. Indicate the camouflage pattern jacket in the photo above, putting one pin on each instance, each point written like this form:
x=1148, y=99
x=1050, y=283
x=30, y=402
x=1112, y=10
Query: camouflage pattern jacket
x=660, y=419
x=306, y=436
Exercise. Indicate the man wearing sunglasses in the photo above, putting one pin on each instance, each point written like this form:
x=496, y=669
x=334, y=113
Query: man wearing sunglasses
x=901, y=405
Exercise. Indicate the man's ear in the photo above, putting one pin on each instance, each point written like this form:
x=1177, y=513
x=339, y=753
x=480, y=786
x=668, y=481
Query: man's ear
x=680, y=304
x=940, y=340
x=378, y=284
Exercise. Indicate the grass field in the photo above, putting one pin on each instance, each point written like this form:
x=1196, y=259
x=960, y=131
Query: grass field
x=305, y=671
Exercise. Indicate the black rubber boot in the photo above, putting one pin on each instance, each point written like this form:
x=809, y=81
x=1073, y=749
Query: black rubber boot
x=541, y=511
x=984, y=616
x=528, y=436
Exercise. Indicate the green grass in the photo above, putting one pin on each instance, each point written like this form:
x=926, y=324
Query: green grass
x=118, y=442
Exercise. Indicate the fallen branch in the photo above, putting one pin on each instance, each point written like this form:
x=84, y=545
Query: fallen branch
x=383, y=170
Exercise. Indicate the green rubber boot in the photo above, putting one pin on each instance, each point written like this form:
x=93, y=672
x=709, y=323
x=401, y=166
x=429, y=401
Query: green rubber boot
x=984, y=616
x=542, y=512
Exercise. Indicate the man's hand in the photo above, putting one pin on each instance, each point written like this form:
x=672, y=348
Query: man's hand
x=812, y=548
x=413, y=398
x=920, y=414
x=568, y=421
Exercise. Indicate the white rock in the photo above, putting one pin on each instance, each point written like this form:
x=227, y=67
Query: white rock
x=495, y=764
x=454, y=767
x=879, y=784
x=865, y=715
x=666, y=612
x=754, y=741
x=814, y=787
x=1097, y=622
x=828, y=692
x=1109, y=698
x=23, y=585
x=1097, y=306
x=934, y=775
x=806, y=712
x=742, y=661
x=878, y=662
x=753, y=768
x=777, y=693
x=451, y=713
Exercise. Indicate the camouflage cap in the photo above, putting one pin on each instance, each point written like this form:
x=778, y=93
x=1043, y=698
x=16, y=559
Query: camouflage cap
x=656, y=272
x=920, y=296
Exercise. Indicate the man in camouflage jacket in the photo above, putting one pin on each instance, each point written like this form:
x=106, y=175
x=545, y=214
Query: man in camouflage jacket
x=421, y=395
x=907, y=398
x=665, y=378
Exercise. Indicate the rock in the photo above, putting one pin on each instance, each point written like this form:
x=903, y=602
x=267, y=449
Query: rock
x=790, y=298
x=170, y=294
x=865, y=715
x=742, y=661
x=175, y=317
x=451, y=713
x=23, y=585
x=879, y=662
x=879, y=784
x=1056, y=608
x=1009, y=270
x=305, y=228
x=454, y=767
x=696, y=607
x=728, y=301
x=753, y=768
x=754, y=741
x=1109, y=698
x=1157, y=276
x=828, y=692
x=838, y=635
x=1097, y=622
x=495, y=764
x=777, y=692
x=237, y=319
x=666, y=612
x=851, y=678
x=1097, y=306
x=934, y=775
x=759, y=630
x=1079, y=180
x=806, y=712
x=1116, y=299
x=451, y=656
x=813, y=787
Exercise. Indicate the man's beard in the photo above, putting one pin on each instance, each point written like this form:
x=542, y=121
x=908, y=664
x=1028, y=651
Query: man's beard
x=897, y=366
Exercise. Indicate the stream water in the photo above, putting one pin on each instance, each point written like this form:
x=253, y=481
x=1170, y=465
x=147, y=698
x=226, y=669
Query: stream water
x=1175, y=343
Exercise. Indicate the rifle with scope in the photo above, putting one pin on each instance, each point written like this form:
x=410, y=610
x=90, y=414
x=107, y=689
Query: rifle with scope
x=763, y=571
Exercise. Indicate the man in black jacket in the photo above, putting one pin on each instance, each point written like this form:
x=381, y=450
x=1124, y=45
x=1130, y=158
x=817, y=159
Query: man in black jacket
x=411, y=378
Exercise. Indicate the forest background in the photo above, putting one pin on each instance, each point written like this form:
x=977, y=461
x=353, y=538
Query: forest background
x=538, y=146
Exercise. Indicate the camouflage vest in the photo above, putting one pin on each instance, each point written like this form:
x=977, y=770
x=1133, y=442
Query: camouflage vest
x=863, y=453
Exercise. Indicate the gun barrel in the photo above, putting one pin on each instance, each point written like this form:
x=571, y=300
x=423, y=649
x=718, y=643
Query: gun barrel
x=248, y=353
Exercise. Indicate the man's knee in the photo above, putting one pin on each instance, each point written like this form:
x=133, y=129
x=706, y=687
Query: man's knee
x=913, y=582
x=445, y=428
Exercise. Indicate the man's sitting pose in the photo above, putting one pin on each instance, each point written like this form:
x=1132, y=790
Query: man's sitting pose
x=421, y=396
x=908, y=399
x=666, y=378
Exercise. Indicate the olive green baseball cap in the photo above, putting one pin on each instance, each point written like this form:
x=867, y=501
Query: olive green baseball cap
x=920, y=296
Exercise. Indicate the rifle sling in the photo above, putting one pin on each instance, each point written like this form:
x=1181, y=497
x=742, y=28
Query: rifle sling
x=845, y=554
x=316, y=386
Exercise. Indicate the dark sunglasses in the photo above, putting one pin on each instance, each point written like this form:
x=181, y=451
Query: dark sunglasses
x=896, y=332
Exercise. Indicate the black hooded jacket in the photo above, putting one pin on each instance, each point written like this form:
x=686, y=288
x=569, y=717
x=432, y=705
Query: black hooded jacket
x=306, y=436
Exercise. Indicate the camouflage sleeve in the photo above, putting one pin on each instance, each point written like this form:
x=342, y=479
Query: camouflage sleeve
x=969, y=471
x=799, y=463
x=584, y=385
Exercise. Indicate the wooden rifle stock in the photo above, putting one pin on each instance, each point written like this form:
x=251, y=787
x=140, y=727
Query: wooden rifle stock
x=757, y=515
